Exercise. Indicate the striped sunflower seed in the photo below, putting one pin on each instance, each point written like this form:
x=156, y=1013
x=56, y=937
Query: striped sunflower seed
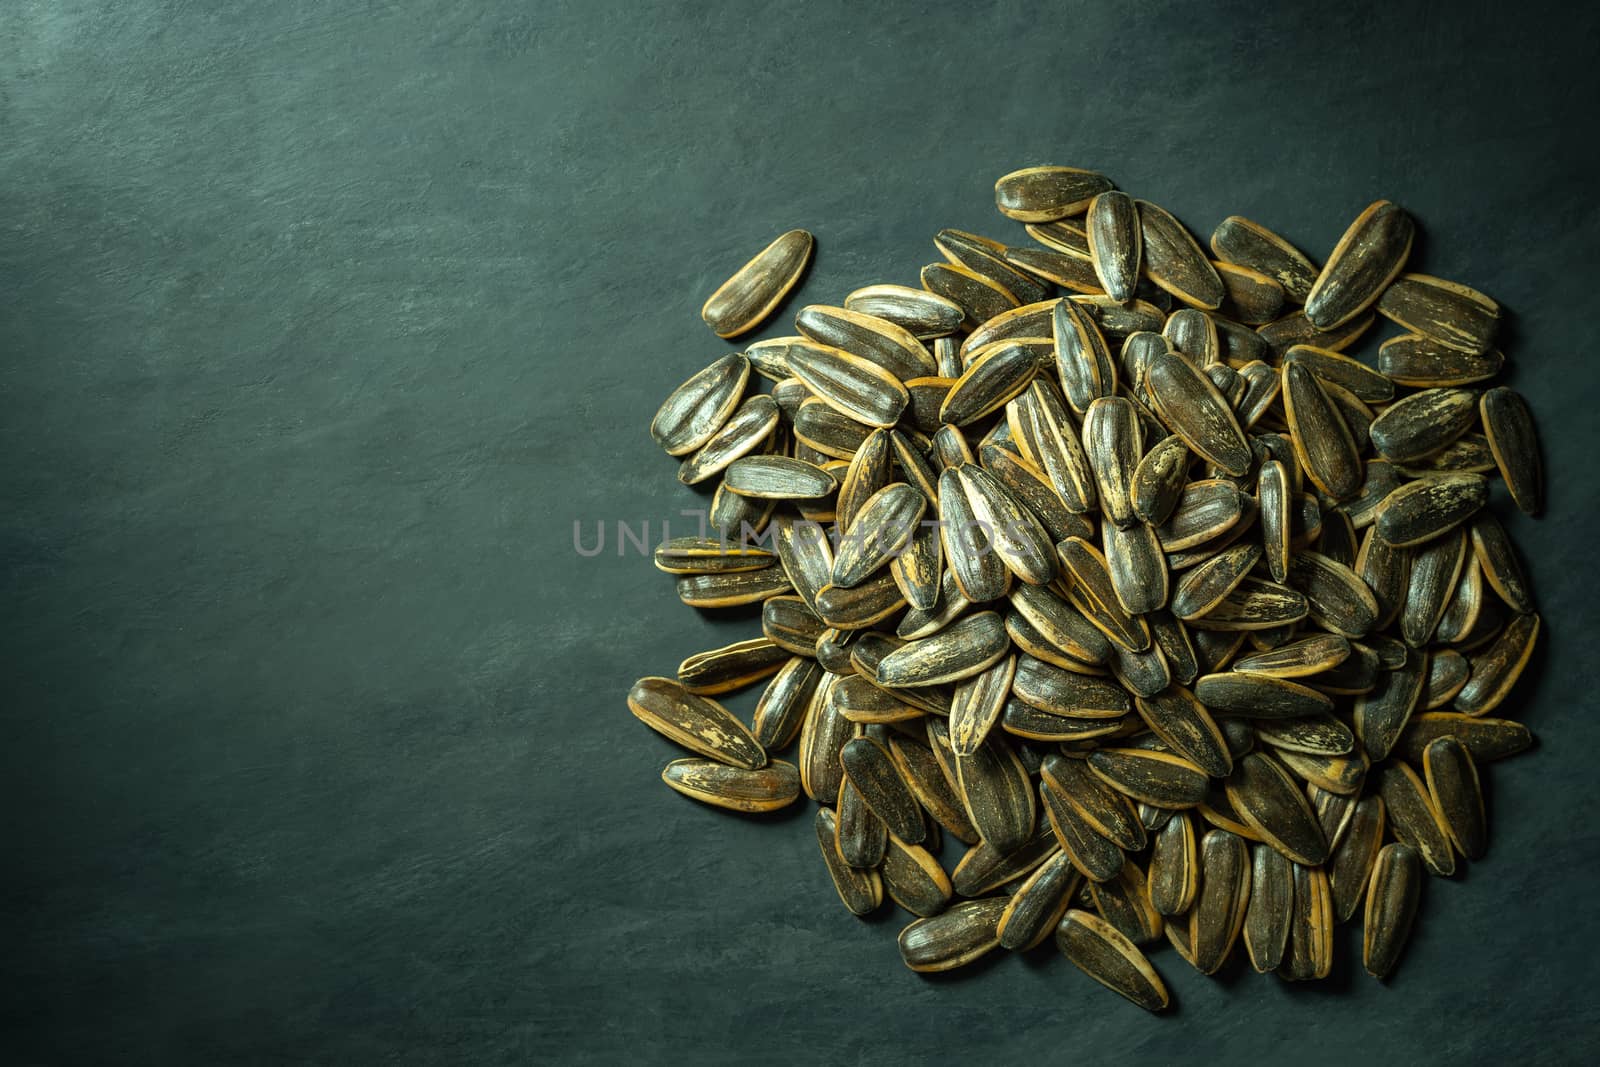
x=1496, y=670
x=1174, y=876
x=872, y=771
x=744, y=431
x=1429, y=507
x=1249, y=244
x=891, y=347
x=1191, y=406
x=1367, y=258
x=1457, y=795
x=1044, y=194
x=782, y=708
x=1412, y=359
x=1097, y=949
x=885, y=525
x=954, y=938
x=1414, y=819
x=722, y=670
x=986, y=258
x=1219, y=911
x=768, y=788
x=1424, y=423
x=1252, y=296
x=1112, y=226
x=1350, y=867
x=741, y=303
x=998, y=793
x=1267, y=799
x=1174, y=261
x=1039, y=903
x=1508, y=424
x=698, y=408
x=1160, y=778
x=696, y=723
x=1391, y=907
x=923, y=314
x=1444, y=311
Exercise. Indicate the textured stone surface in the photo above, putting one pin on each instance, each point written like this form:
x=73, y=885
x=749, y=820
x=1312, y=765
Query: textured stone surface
x=323, y=323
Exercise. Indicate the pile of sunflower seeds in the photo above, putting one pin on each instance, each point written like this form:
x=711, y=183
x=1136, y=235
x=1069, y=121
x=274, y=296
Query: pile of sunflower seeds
x=1188, y=625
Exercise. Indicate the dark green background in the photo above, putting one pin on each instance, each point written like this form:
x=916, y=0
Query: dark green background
x=322, y=323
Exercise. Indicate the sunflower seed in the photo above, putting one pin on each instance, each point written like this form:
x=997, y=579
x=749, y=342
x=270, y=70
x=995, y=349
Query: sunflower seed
x=778, y=478
x=1063, y=692
x=1180, y=720
x=1443, y=311
x=1159, y=778
x=1174, y=261
x=1174, y=878
x=1061, y=625
x=1193, y=333
x=1051, y=441
x=1097, y=949
x=885, y=525
x=782, y=707
x=1029, y=485
x=1254, y=605
x=997, y=792
x=734, y=666
x=984, y=868
x=1456, y=794
x=768, y=788
x=1249, y=244
x=1094, y=855
x=1366, y=259
x=914, y=879
x=1044, y=194
x=987, y=258
x=1015, y=536
x=1350, y=868
x=979, y=572
x=1316, y=735
x=1093, y=593
x=858, y=606
x=1113, y=444
x=1487, y=739
x=1295, y=328
x=1412, y=359
x=1428, y=507
x=1138, y=569
x=933, y=789
x=1391, y=907
x=1219, y=910
x=1435, y=568
x=1203, y=587
x=923, y=314
x=1515, y=443
x=1252, y=296
x=1103, y=809
x=709, y=555
x=977, y=705
x=696, y=723
x=1311, y=928
x=1267, y=799
x=1124, y=902
x=1112, y=226
x=698, y=408
x=741, y=434
x=1191, y=406
x=861, y=890
x=1424, y=423
x=822, y=735
x=1157, y=483
x=861, y=837
x=1039, y=903
x=744, y=300
x=954, y=938
x=1322, y=441
x=1270, y=911
x=978, y=297
x=1496, y=670
x=1500, y=564
x=891, y=347
x=1414, y=819
x=869, y=767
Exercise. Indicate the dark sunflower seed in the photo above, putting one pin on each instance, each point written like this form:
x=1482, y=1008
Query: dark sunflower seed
x=1219, y=911
x=1138, y=569
x=1249, y=244
x=855, y=386
x=1296, y=329
x=1044, y=194
x=1191, y=406
x=778, y=478
x=1350, y=868
x=1174, y=261
x=1322, y=440
x=1014, y=534
x=1193, y=333
x=1092, y=592
x=1428, y=507
x=1315, y=735
x=1097, y=949
x=921, y=313
x=1487, y=739
x=872, y=771
x=1096, y=856
x=1039, y=903
x=1447, y=673
x=998, y=793
x=1105, y=810
x=1391, y=907
x=782, y=707
x=1112, y=226
x=1267, y=799
x=744, y=431
x=1386, y=570
x=1083, y=360
x=1412, y=359
x=1114, y=443
x=1414, y=819
x=1307, y=656
x=1254, y=605
x=954, y=938
x=1252, y=296
x=891, y=347
x=699, y=407
x=980, y=298
x=710, y=555
x=977, y=705
x=1435, y=568
x=1068, y=271
x=1366, y=259
x=1362, y=381
x=768, y=788
x=1059, y=626
x=734, y=666
x=1174, y=879
x=1499, y=562
x=696, y=723
x=1180, y=720
x=1124, y=902
x=1338, y=599
x=744, y=300
x=1160, y=778
x=1157, y=483
x=1457, y=795
x=918, y=567
x=979, y=571
x=934, y=790
x=1270, y=911
x=1424, y=423
x=885, y=525
x=1443, y=311
x=1311, y=929
x=1030, y=486
x=985, y=257
x=1515, y=443
x=1051, y=441
x=1203, y=587
x=914, y=879
x=859, y=606
x=861, y=837
x=1496, y=670
x=823, y=734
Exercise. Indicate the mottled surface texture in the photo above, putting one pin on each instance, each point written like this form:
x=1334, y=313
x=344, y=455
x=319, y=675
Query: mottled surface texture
x=323, y=322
